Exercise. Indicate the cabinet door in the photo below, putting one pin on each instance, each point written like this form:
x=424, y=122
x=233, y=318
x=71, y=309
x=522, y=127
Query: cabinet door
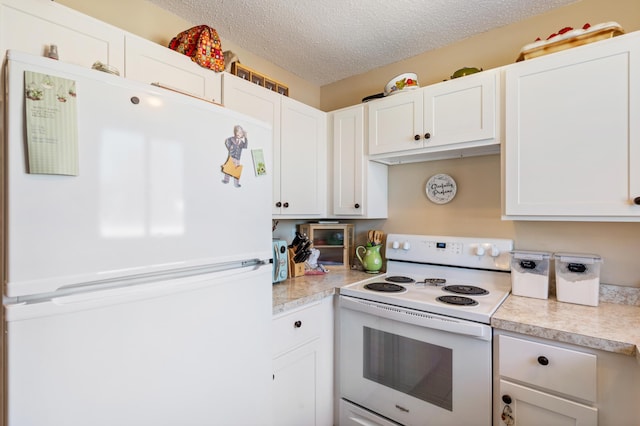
x=348, y=160
x=259, y=103
x=303, y=365
x=149, y=62
x=395, y=123
x=32, y=25
x=303, y=160
x=294, y=386
x=461, y=110
x=572, y=134
x=359, y=185
x=530, y=407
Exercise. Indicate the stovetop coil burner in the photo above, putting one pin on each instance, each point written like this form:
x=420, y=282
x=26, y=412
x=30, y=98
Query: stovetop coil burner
x=457, y=300
x=400, y=279
x=385, y=287
x=466, y=289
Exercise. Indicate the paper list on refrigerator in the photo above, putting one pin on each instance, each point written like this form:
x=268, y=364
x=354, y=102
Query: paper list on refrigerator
x=51, y=124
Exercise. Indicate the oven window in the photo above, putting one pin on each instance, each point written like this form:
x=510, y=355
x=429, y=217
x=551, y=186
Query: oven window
x=420, y=369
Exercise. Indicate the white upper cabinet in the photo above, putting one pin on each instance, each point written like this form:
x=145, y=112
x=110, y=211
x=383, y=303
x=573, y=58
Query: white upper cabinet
x=395, y=123
x=455, y=118
x=359, y=185
x=303, y=160
x=33, y=25
x=461, y=110
x=572, y=149
x=150, y=62
x=299, y=151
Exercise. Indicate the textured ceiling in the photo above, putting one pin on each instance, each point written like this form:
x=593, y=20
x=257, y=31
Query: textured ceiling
x=324, y=41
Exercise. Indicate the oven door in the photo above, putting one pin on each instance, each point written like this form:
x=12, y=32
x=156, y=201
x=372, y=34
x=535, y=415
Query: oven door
x=414, y=367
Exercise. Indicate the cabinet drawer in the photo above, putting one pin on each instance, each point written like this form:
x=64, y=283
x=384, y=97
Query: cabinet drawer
x=562, y=370
x=294, y=328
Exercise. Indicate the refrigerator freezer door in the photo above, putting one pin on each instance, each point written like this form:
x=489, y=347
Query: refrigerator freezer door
x=150, y=194
x=192, y=352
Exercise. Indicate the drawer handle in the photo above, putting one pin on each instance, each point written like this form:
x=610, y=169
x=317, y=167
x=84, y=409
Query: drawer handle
x=543, y=360
x=636, y=201
x=416, y=137
x=297, y=324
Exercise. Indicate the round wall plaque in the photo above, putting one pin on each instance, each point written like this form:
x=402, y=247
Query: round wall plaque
x=441, y=188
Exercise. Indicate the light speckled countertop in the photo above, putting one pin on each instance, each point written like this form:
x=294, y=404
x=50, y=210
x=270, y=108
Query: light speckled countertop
x=612, y=327
x=294, y=292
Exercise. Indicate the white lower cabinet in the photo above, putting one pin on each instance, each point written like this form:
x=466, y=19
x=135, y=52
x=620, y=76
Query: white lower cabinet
x=303, y=365
x=540, y=382
x=529, y=407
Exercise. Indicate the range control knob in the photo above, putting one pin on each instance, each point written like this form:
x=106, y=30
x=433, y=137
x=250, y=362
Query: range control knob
x=406, y=245
x=395, y=245
x=495, y=251
x=480, y=250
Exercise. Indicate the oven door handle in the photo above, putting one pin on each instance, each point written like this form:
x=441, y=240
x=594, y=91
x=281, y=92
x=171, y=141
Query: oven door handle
x=419, y=318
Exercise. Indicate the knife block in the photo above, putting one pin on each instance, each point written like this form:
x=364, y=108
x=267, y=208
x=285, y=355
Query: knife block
x=295, y=269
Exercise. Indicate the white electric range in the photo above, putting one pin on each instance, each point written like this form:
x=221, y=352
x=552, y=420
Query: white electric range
x=415, y=342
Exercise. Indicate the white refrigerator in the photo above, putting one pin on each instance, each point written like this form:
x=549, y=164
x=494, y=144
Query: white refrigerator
x=136, y=273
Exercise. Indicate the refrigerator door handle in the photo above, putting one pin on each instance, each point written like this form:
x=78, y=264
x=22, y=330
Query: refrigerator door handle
x=124, y=293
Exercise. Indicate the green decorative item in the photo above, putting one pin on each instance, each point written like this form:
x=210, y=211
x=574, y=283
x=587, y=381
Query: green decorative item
x=465, y=71
x=372, y=260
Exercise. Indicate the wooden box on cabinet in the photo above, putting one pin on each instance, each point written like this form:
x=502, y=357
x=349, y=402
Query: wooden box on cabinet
x=335, y=242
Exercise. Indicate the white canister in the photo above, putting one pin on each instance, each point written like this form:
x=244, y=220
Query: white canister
x=578, y=278
x=530, y=273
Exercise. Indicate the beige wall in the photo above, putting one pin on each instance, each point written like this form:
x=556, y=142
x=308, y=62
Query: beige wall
x=147, y=20
x=475, y=211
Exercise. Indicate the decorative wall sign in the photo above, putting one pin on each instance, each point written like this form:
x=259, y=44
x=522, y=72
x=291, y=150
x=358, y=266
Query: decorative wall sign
x=441, y=188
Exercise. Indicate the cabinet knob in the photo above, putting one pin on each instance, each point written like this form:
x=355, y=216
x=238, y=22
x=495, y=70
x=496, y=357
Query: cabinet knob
x=285, y=205
x=297, y=324
x=357, y=206
x=506, y=399
x=278, y=204
x=416, y=137
x=427, y=135
x=636, y=201
x=543, y=360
